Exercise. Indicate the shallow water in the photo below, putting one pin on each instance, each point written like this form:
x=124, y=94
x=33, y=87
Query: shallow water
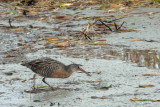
x=117, y=63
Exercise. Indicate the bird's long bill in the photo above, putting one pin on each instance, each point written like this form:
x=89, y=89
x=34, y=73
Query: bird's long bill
x=80, y=69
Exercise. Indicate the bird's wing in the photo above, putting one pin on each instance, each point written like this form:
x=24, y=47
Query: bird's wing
x=45, y=63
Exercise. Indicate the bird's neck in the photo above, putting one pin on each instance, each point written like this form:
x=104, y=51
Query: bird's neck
x=68, y=69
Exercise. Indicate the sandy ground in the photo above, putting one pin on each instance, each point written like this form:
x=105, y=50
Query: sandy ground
x=121, y=75
x=148, y=24
x=82, y=89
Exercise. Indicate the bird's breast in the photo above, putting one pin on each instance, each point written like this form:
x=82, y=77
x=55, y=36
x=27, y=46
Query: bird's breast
x=60, y=74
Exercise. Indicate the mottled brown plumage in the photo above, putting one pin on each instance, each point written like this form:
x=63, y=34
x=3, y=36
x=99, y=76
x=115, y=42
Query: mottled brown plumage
x=50, y=68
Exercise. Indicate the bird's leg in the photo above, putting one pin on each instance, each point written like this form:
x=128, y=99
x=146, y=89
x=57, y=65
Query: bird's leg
x=47, y=83
x=34, y=81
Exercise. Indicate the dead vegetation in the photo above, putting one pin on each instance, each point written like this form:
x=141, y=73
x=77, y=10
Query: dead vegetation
x=103, y=3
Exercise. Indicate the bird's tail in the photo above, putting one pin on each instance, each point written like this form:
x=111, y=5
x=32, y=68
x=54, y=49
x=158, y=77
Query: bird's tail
x=25, y=64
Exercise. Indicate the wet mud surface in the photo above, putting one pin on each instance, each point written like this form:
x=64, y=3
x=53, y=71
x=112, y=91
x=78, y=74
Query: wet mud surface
x=119, y=68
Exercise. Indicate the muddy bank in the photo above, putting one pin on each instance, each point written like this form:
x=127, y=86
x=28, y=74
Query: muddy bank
x=121, y=63
x=120, y=75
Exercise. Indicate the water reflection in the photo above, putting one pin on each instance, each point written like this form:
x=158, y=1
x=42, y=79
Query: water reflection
x=143, y=58
x=52, y=95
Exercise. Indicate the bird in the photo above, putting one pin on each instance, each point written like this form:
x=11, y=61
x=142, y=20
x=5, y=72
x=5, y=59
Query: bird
x=50, y=68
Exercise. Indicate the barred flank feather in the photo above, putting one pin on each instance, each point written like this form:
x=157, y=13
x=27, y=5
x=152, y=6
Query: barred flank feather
x=44, y=66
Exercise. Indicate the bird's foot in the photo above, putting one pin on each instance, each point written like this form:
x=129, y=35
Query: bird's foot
x=54, y=88
x=34, y=88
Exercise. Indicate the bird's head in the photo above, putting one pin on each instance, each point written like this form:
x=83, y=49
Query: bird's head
x=76, y=67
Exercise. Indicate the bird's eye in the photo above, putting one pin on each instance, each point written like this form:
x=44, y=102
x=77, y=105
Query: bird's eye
x=80, y=65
